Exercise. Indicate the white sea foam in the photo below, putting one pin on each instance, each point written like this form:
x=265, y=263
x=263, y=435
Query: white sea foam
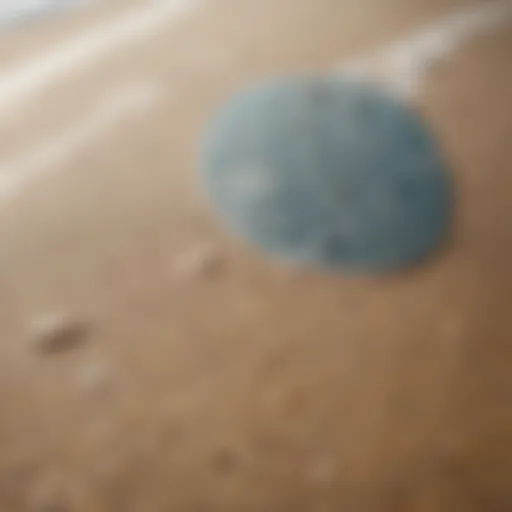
x=57, y=149
x=87, y=48
x=404, y=64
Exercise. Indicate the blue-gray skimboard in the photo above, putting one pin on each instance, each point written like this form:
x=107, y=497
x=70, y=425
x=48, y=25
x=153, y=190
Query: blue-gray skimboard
x=327, y=171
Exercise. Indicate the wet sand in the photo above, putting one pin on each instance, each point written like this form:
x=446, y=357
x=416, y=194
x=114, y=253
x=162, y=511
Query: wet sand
x=209, y=377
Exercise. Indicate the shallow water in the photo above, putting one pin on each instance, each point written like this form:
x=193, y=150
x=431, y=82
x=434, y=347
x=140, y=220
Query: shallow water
x=17, y=12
